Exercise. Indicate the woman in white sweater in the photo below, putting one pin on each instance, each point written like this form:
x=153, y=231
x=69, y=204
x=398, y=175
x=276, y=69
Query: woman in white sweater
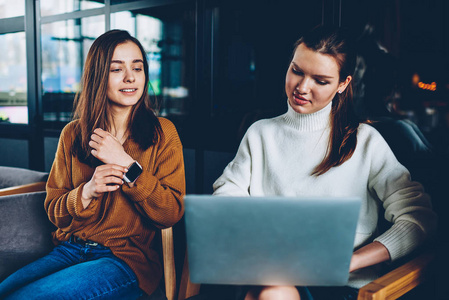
x=320, y=148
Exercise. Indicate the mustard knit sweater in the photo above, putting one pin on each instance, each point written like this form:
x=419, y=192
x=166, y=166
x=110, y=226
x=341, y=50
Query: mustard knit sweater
x=126, y=220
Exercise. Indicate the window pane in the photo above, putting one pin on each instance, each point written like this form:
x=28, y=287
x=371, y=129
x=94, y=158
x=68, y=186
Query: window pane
x=9, y=9
x=64, y=49
x=13, y=78
x=53, y=7
x=167, y=35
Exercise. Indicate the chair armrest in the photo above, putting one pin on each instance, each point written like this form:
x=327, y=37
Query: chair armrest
x=25, y=188
x=398, y=281
x=169, y=263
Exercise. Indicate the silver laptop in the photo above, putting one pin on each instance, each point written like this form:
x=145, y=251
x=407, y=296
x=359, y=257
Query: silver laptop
x=270, y=240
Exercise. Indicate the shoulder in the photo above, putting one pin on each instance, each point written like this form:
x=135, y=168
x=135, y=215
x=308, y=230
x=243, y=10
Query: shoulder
x=369, y=137
x=166, y=124
x=169, y=132
x=367, y=131
x=69, y=130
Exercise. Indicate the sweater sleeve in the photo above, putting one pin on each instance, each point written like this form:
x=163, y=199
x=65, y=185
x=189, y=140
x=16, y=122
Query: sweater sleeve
x=236, y=177
x=63, y=202
x=159, y=194
x=406, y=204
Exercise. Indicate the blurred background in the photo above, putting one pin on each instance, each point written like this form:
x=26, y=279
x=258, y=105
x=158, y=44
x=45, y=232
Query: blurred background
x=216, y=66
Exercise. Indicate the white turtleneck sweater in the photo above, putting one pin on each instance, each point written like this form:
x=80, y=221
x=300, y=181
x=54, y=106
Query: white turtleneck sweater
x=277, y=157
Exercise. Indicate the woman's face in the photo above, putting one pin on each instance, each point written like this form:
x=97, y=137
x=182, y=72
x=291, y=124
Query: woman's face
x=312, y=80
x=126, y=76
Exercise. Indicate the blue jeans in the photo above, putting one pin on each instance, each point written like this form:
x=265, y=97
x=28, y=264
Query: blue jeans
x=73, y=271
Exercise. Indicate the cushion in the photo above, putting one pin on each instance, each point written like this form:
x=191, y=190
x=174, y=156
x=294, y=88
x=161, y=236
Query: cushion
x=25, y=231
x=10, y=176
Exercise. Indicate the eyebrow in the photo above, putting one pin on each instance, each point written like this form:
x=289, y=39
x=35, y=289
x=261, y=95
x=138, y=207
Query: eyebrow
x=117, y=61
x=315, y=75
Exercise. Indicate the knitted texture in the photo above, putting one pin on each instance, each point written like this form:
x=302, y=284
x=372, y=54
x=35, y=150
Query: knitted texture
x=126, y=220
x=277, y=157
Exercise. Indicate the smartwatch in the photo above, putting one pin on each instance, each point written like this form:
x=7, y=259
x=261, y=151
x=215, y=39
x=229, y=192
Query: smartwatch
x=133, y=173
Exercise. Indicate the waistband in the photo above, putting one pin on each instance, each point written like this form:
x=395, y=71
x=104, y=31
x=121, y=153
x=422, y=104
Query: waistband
x=85, y=243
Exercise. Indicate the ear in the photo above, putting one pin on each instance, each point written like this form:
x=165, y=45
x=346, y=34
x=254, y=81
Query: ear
x=342, y=85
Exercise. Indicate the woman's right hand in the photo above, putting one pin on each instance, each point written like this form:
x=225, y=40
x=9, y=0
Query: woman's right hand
x=106, y=178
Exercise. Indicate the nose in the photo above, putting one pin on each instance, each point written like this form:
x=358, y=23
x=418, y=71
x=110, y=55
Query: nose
x=303, y=86
x=129, y=77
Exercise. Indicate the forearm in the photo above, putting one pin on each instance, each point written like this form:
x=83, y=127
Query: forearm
x=371, y=254
x=64, y=209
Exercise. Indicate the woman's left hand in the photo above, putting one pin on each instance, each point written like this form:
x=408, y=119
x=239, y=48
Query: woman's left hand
x=108, y=148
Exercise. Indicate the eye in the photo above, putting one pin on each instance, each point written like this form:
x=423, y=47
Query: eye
x=320, y=82
x=115, y=70
x=297, y=72
x=138, y=69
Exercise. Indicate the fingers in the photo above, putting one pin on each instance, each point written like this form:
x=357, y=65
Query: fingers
x=110, y=170
x=105, y=146
x=98, y=137
x=108, y=178
x=100, y=132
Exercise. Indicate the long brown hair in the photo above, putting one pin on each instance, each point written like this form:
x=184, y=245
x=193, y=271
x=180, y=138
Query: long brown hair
x=337, y=43
x=91, y=106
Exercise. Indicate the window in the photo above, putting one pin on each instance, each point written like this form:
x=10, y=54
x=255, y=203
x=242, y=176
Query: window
x=13, y=78
x=53, y=7
x=64, y=48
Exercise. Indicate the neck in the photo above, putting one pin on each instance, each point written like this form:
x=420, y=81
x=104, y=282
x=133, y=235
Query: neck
x=309, y=122
x=118, y=120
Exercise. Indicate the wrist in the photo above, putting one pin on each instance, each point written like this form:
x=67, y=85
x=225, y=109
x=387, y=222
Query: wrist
x=85, y=193
x=85, y=198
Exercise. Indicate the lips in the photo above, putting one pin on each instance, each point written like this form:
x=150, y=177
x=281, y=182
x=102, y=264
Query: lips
x=299, y=100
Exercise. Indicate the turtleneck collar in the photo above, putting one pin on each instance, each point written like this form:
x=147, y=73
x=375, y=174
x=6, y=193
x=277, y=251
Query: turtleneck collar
x=308, y=122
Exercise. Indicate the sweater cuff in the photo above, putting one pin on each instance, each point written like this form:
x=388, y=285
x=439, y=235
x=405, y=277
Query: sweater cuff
x=143, y=186
x=401, y=239
x=75, y=205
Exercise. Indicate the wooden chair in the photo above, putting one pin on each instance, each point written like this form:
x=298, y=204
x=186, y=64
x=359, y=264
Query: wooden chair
x=168, y=256
x=401, y=280
x=186, y=288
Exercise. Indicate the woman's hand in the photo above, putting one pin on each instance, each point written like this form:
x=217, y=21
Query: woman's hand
x=106, y=178
x=369, y=255
x=108, y=149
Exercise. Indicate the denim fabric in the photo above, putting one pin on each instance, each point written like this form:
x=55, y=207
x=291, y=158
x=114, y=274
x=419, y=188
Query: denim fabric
x=73, y=271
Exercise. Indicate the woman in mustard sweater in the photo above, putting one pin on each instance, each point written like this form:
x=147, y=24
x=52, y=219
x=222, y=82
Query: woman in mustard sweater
x=118, y=176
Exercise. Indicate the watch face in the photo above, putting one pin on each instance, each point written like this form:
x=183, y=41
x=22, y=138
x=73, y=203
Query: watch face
x=134, y=171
